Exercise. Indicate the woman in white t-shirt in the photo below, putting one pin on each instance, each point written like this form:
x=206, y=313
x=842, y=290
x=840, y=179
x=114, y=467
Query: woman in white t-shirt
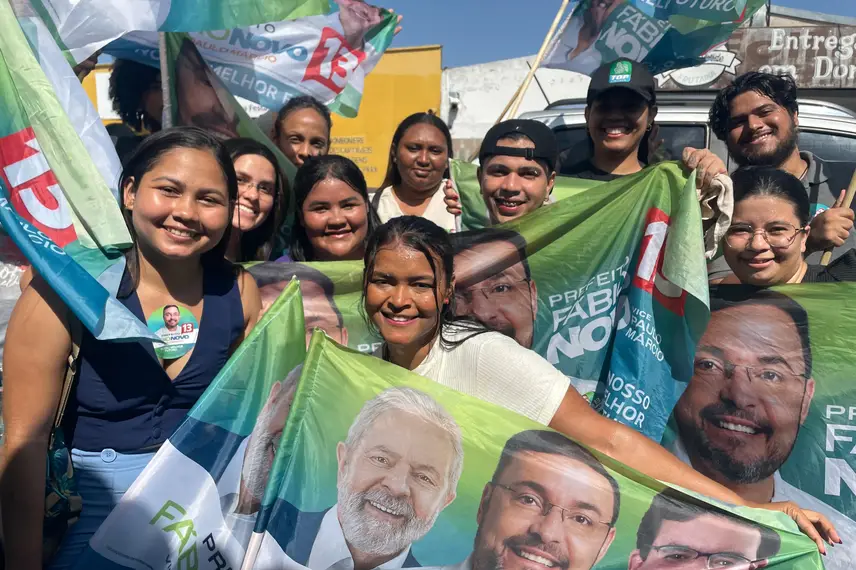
x=418, y=172
x=408, y=291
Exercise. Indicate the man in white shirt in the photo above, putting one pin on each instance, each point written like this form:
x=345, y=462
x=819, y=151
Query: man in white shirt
x=678, y=535
x=750, y=393
x=550, y=504
x=398, y=469
x=493, y=282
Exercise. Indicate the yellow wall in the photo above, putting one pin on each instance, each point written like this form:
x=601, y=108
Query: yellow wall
x=96, y=86
x=405, y=81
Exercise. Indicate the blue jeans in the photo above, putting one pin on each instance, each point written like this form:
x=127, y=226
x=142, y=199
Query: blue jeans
x=102, y=479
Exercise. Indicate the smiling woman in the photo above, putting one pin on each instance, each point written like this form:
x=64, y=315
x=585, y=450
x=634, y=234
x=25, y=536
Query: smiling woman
x=261, y=202
x=178, y=190
x=766, y=242
x=418, y=163
x=334, y=216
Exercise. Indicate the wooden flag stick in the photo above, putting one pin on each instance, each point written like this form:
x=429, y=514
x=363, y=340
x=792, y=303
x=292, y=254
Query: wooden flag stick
x=848, y=199
x=538, y=59
x=166, y=83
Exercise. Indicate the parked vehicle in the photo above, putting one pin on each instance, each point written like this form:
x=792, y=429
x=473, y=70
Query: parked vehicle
x=826, y=129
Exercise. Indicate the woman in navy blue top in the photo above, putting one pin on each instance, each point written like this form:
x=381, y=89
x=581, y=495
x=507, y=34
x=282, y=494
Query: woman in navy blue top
x=179, y=189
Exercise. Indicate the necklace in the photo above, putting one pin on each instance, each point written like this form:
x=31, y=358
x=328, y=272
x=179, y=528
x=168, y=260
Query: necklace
x=804, y=172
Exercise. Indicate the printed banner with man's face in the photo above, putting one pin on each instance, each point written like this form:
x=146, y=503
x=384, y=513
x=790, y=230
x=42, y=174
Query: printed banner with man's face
x=664, y=35
x=326, y=56
x=771, y=408
x=609, y=286
x=196, y=503
x=381, y=468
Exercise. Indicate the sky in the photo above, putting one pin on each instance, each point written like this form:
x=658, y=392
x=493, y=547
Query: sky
x=478, y=31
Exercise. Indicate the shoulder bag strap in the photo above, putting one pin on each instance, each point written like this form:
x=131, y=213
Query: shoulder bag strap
x=71, y=371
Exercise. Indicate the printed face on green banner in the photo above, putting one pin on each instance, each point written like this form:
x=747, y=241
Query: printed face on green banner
x=767, y=409
x=394, y=469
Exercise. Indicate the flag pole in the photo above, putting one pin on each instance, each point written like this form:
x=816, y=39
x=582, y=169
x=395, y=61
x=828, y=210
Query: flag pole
x=848, y=200
x=166, y=118
x=538, y=59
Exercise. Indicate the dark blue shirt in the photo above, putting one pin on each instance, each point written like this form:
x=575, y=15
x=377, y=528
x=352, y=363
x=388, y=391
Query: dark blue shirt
x=124, y=399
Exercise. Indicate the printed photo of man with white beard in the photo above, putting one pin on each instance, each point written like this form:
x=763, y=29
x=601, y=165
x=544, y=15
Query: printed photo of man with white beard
x=398, y=468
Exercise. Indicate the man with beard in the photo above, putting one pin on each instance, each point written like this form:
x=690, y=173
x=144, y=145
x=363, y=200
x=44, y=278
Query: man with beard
x=757, y=116
x=171, y=316
x=493, y=282
x=398, y=468
x=677, y=535
x=751, y=390
x=550, y=504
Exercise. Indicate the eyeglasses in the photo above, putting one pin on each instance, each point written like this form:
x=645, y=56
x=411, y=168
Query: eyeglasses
x=778, y=236
x=496, y=293
x=261, y=186
x=771, y=378
x=677, y=556
x=529, y=504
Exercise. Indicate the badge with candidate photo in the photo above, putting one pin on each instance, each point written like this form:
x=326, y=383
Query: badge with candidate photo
x=176, y=327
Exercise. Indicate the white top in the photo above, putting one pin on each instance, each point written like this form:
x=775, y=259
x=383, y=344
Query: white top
x=494, y=368
x=330, y=551
x=388, y=208
x=839, y=557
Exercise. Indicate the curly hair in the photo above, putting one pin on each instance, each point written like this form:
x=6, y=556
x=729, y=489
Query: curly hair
x=782, y=89
x=129, y=80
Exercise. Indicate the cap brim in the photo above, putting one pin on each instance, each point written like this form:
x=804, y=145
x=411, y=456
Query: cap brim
x=647, y=96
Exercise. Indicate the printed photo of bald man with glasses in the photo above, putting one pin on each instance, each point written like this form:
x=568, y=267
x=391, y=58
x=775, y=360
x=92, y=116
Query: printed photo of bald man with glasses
x=493, y=282
x=750, y=394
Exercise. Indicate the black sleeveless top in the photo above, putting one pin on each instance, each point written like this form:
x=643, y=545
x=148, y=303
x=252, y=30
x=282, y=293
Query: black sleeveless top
x=124, y=399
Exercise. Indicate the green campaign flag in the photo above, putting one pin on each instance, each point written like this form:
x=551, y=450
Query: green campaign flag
x=195, y=504
x=770, y=410
x=609, y=286
x=380, y=464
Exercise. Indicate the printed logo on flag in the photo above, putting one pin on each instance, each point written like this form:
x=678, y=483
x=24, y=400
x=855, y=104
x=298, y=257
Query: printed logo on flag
x=33, y=188
x=333, y=62
x=620, y=72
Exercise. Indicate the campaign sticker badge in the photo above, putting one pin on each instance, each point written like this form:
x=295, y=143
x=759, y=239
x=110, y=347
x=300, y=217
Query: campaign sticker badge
x=176, y=327
x=620, y=72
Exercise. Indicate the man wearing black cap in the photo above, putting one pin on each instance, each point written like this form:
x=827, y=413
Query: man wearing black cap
x=517, y=168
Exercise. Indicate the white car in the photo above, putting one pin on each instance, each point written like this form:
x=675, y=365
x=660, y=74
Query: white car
x=826, y=129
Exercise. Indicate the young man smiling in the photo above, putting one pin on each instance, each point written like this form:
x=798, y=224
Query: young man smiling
x=758, y=118
x=517, y=168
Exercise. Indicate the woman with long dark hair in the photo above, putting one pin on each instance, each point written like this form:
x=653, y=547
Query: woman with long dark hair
x=334, y=216
x=178, y=193
x=417, y=172
x=261, y=204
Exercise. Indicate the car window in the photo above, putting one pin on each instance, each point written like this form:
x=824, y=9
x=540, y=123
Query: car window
x=574, y=145
x=828, y=146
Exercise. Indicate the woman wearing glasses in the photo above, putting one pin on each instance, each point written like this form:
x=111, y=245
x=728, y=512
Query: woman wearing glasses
x=261, y=202
x=767, y=239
